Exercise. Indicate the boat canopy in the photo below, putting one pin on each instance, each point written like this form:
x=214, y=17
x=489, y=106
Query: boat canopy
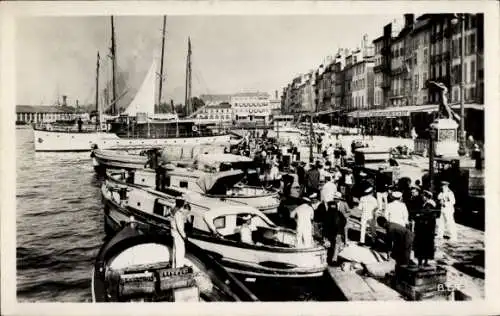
x=218, y=183
x=214, y=160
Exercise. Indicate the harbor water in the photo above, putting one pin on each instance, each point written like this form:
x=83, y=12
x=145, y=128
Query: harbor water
x=60, y=229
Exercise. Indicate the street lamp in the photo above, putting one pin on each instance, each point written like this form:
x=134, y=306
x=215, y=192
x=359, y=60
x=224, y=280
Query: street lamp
x=460, y=18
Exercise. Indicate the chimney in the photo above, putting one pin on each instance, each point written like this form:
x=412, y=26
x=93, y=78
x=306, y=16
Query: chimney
x=64, y=100
x=409, y=19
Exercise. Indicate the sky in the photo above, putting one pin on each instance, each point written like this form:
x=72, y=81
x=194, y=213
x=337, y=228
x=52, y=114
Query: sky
x=57, y=55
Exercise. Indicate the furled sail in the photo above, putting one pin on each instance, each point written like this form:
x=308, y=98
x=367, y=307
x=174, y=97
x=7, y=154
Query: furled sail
x=144, y=100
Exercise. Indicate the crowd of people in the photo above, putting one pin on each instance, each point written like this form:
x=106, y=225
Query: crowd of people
x=331, y=195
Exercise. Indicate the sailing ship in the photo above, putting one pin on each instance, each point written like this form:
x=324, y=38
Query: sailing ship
x=136, y=266
x=214, y=225
x=136, y=127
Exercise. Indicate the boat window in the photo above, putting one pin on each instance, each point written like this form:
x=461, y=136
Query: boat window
x=220, y=222
x=183, y=184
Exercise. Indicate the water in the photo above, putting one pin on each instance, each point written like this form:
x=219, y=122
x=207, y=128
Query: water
x=59, y=223
x=60, y=229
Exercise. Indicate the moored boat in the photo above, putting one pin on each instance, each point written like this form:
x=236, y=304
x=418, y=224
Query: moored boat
x=214, y=226
x=136, y=265
x=225, y=185
x=135, y=128
x=137, y=159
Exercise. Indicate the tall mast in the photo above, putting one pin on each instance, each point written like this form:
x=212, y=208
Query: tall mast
x=188, y=79
x=97, y=117
x=162, y=54
x=113, y=56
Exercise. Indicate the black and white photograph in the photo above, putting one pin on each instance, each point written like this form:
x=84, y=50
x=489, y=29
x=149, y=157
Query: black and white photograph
x=251, y=157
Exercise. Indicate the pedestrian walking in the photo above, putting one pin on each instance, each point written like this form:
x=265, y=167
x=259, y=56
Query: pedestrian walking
x=447, y=223
x=334, y=232
x=382, y=182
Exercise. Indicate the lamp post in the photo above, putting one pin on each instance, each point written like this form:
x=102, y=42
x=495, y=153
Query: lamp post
x=460, y=18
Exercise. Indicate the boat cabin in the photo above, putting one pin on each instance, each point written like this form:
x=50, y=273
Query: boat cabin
x=227, y=222
x=141, y=126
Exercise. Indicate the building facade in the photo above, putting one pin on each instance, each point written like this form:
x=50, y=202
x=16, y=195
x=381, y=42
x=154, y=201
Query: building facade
x=421, y=64
x=251, y=107
x=47, y=114
x=221, y=112
x=410, y=53
x=473, y=59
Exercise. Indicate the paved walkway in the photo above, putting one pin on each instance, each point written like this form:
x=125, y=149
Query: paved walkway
x=464, y=260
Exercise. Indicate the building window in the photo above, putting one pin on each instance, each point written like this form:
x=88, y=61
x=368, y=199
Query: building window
x=424, y=79
x=473, y=71
x=455, y=95
x=424, y=99
x=472, y=43
x=465, y=73
x=414, y=100
x=444, y=70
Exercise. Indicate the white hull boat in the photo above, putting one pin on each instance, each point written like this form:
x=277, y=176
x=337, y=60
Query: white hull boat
x=223, y=185
x=214, y=226
x=129, y=160
x=62, y=141
x=136, y=266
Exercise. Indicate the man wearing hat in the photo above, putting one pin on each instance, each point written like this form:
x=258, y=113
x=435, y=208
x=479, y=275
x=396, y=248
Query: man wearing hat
x=425, y=229
x=446, y=201
x=396, y=211
x=369, y=206
x=304, y=215
x=382, y=181
x=334, y=229
x=313, y=179
x=328, y=190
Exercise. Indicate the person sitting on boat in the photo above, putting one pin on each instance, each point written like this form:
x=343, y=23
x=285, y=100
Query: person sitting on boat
x=304, y=215
x=178, y=222
x=246, y=230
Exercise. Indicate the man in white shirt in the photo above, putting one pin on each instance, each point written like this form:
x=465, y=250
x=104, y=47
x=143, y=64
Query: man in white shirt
x=369, y=206
x=328, y=190
x=446, y=200
x=330, y=153
x=304, y=215
x=178, y=234
x=396, y=211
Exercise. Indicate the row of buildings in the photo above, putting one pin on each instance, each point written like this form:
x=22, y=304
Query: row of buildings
x=26, y=114
x=245, y=107
x=393, y=70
